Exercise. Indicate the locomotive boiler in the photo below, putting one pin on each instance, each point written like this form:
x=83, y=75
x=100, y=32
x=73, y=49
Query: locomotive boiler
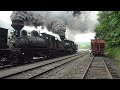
x=33, y=41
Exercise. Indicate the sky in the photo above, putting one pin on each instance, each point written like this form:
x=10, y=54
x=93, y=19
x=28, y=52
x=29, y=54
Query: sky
x=87, y=36
x=5, y=16
x=84, y=37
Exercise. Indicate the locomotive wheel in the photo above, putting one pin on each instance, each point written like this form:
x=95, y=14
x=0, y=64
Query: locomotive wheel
x=13, y=60
x=50, y=54
x=4, y=60
x=47, y=57
x=1, y=63
x=21, y=59
x=28, y=59
x=55, y=54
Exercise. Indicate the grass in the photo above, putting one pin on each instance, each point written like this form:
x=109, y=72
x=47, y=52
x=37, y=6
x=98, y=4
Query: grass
x=114, y=53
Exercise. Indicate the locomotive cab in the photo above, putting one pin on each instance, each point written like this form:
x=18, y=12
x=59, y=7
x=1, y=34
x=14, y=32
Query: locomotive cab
x=4, y=49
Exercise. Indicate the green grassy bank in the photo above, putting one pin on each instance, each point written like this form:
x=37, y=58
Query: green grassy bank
x=114, y=54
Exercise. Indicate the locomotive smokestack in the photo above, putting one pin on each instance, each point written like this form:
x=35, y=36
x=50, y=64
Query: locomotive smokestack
x=62, y=37
x=17, y=25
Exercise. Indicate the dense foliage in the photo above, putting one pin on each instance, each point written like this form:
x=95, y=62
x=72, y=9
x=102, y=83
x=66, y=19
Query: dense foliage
x=109, y=28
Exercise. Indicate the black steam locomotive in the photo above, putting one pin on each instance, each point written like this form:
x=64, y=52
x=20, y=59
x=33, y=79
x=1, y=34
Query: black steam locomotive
x=21, y=48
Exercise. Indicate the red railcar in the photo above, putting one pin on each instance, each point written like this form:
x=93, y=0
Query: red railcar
x=97, y=46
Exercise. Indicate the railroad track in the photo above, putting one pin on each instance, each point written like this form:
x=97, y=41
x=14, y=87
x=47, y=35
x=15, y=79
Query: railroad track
x=5, y=66
x=36, y=70
x=97, y=69
x=113, y=72
x=10, y=66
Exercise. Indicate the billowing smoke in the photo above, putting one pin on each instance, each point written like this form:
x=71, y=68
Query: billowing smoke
x=30, y=18
x=57, y=21
x=83, y=23
x=57, y=26
x=80, y=24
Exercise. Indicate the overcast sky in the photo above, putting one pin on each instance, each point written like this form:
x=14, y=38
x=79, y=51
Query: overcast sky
x=5, y=16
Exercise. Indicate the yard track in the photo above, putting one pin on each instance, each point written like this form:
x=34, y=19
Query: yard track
x=97, y=69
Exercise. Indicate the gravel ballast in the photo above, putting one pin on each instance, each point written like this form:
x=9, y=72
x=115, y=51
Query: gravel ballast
x=72, y=70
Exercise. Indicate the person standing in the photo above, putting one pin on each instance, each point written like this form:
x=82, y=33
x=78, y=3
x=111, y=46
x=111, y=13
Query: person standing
x=90, y=52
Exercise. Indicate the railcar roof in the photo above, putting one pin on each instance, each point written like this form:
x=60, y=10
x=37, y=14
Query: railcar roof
x=97, y=40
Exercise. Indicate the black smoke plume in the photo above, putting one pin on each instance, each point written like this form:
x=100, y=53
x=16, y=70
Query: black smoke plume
x=58, y=21
x=30, y=18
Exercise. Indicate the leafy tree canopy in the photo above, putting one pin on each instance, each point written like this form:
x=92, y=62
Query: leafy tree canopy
x=109, y=28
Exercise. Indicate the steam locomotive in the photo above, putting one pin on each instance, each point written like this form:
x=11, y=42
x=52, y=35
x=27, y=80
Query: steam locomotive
x=21, y=48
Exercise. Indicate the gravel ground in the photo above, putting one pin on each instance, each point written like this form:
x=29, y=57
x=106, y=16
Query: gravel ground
x=72, y=70
x=37, y=71
x=113, y=67
x=76, y=69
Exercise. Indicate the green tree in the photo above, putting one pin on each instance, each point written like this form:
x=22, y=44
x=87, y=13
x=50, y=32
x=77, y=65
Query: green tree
x=109, y=28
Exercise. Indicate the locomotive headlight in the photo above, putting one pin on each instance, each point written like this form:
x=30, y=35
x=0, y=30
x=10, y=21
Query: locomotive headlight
x=23, y=53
